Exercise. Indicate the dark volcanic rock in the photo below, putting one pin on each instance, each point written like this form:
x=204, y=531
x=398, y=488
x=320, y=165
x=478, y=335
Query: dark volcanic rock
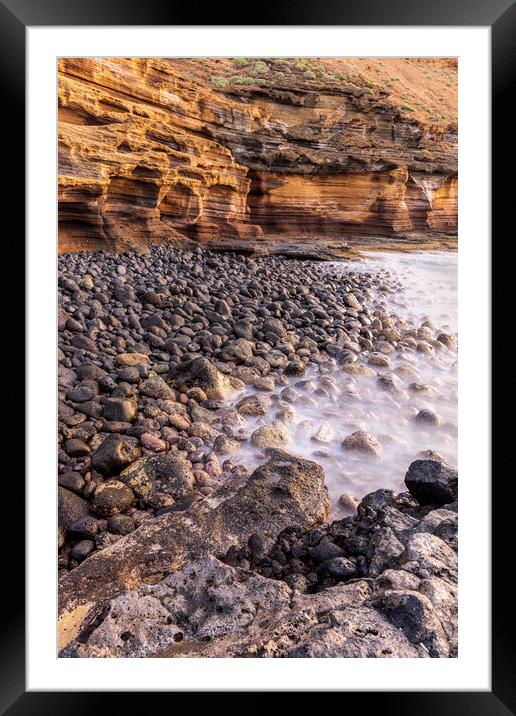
x=76, y=448
x=201, y=372
x=114, y=454
x=72, y=481
x=82, y=549
x=167, y=473
x=70, y=508
x=121, y=524
x=409, y=610
x=119, y=410
x=112, y=497
x=285, y=491
x=84, y=528
x=432, y=482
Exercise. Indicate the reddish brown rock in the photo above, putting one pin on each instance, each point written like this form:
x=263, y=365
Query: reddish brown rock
x=161, y=150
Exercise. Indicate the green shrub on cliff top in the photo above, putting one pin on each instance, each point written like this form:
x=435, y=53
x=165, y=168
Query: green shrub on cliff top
x=219, y=82
x=304, y=65
x=407, y=108
x=260, y=67
x=241, y=80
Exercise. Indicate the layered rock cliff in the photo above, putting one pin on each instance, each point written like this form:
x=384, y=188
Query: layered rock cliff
x=255, y=153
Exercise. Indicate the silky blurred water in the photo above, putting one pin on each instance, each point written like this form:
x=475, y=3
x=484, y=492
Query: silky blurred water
x=426, y=290
x=429, y=280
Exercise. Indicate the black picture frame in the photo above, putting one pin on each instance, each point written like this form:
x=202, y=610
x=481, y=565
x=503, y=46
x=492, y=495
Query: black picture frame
x=500, y=16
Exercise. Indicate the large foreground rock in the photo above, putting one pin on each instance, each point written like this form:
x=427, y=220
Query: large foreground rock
x=284, y=491
x=209, y=609
x=398, y=599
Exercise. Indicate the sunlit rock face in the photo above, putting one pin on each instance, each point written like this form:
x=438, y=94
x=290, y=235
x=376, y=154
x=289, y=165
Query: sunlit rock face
x=152, y=150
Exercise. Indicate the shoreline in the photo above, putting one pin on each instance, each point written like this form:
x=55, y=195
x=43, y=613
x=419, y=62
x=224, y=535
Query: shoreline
x=150, y=393
x=303, y=249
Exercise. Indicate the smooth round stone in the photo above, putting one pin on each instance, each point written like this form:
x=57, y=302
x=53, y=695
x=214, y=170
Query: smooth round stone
x=84, y=528
x=120, y=524
x=295, y=368
x=82, y=550
x=111, y=497
x=362, y=442
x=152, y=442
x=72, y=481
x=76, y=448
x=428, y=417
x=378, y=359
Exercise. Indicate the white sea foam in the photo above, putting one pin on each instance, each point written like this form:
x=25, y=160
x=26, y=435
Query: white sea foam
x=428, y=292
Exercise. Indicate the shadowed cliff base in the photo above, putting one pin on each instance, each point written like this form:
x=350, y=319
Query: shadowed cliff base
x=299, y=156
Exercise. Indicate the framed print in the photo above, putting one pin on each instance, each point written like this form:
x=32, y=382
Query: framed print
x=259, y=346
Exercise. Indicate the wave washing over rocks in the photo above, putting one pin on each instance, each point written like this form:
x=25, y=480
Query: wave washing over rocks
x=403, y=393
x=234, y=434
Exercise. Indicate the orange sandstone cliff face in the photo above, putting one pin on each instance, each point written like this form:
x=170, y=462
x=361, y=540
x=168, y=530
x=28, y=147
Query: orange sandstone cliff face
x=254, y=154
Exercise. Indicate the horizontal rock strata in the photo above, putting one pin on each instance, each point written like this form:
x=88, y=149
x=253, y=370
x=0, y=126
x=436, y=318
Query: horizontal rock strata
x=155, y=150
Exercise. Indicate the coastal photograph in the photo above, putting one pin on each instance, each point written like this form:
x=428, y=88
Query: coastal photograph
x=257, y=357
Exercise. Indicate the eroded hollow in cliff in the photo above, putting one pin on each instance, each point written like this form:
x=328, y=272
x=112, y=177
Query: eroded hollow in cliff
x=78, y=116
x=218, y=212
x=221, y=203
x=180, y=207
x=80, y=219
x=130, y=199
